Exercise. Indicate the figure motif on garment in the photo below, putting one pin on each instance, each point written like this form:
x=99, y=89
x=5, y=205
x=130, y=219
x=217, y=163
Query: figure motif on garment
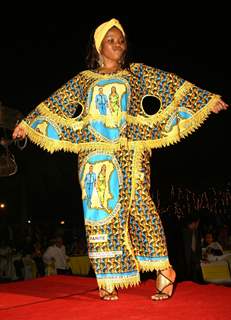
x=114, y=137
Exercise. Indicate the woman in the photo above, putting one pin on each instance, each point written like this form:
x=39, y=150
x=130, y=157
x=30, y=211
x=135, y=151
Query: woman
x=101, y=184
x=115, y=105
x=130, y=237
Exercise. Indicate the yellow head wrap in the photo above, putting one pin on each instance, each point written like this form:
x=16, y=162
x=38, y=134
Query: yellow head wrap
x=101, y=31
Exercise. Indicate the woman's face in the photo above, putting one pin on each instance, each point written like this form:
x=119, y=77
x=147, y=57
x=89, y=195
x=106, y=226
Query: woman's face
x=113, y=45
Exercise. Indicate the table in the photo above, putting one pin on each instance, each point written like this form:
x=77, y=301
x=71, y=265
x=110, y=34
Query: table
x=80, y=265
x=217, y=271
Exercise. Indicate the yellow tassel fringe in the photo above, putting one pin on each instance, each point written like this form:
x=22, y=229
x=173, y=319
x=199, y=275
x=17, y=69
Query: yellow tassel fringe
x=118, y=282
x=154, y=265
x=184, y=128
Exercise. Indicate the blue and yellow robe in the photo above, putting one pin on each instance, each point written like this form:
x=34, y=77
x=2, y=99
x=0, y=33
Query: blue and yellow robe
x=124, y=231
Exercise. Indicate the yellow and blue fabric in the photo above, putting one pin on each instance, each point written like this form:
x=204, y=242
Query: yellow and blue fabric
x=123, y=228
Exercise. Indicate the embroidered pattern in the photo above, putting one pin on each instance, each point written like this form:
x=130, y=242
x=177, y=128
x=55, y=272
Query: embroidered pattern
x=113, y=137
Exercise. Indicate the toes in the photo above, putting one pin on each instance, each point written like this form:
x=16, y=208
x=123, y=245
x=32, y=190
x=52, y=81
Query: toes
x=158, y=297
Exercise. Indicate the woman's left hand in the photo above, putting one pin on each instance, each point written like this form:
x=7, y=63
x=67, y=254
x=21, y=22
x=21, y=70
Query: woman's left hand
x=220, y=105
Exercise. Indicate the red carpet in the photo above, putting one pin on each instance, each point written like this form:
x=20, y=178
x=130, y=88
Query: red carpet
x=76, y=298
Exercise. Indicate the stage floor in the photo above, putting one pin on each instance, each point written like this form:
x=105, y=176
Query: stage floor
x=76, y=298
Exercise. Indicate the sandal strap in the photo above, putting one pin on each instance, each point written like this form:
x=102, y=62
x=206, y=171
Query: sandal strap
x=170, y=282
x=163, y=294
x=163, y=275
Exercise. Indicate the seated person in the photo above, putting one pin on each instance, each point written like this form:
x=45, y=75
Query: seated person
x=212, y=247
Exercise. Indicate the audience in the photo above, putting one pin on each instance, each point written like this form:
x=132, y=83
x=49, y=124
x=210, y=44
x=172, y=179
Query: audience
x=25, y=252
x=212, y=248
x=56, y=258
x=191, y=236
x=37, y=256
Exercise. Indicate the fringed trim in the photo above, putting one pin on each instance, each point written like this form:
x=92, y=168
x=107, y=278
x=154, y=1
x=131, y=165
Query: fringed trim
x=152, y=120
x=154, y=265
x=136, y=165
x=76, y=123
x=52, y=145
x=72, y=122
x=161, y=114
x=182, y=91
x=184, y=128
x=111, y=283
x=127, y=239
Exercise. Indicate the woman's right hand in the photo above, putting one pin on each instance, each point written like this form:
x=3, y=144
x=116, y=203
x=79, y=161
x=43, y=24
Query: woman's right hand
x=19, y=133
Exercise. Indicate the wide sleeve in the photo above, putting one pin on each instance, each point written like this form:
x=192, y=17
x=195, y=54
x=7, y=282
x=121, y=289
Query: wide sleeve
x=183, y=107
x=53, y=124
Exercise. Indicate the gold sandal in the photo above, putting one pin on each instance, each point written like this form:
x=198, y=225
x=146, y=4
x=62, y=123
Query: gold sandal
x=162, y=283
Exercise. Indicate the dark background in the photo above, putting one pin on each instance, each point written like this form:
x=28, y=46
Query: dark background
x=44, y=48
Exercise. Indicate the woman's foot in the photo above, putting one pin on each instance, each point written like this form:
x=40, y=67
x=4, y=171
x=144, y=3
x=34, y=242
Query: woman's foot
x=108, y=295
x=164, y=284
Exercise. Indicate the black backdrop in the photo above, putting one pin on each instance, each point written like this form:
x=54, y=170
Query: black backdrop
x=43, y=48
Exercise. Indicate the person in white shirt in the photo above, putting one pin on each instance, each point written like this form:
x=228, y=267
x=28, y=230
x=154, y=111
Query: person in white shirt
x=213, y=249
x=56, y=255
